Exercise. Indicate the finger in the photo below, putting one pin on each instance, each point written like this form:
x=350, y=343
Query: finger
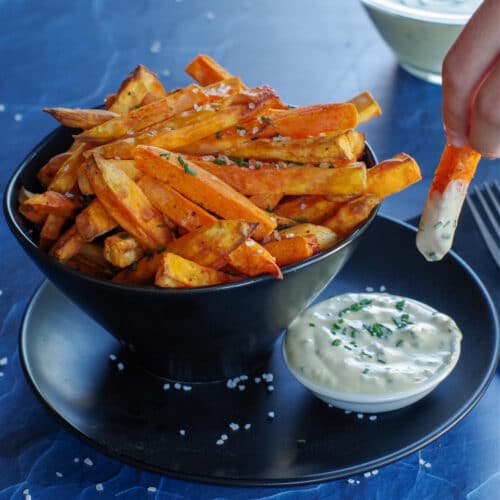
x=465, y=65
x=484, y=135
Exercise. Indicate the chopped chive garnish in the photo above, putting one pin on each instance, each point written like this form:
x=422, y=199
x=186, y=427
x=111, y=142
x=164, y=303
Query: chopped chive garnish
x=312, y=324
x=218, y=134
x=403, y=321
x=269, y=208
x=219, y=161
x=124, y=236
x=165, y=155
x=400, y=305
x=366, y=370
x=148, y=253
x=357, y=306
x=399, y=343
x=291, y=107
x=301, y=442
x=161, y=249
x=186, y=167
x=348, y=348
x=133, y=266
x=336, y=342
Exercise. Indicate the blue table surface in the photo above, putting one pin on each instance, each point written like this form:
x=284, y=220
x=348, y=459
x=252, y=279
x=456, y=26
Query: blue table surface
x=72, y=54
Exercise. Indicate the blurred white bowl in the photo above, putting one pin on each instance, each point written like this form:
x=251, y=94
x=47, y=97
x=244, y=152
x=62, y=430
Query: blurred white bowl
x=420, y=32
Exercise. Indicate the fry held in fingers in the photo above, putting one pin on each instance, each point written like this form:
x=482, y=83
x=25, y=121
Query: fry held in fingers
x=444, y=202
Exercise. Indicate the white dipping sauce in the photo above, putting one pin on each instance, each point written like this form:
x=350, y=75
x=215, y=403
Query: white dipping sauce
x=439, y=220
x=372, y=343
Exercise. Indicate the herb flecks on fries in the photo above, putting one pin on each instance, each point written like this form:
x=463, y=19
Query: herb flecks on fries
x=208, y=184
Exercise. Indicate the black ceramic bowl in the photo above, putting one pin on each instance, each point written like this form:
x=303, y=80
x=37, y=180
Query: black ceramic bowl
x=195, y=334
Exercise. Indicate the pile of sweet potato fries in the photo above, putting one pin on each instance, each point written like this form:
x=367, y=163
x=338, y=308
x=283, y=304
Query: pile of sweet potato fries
x=206, y=184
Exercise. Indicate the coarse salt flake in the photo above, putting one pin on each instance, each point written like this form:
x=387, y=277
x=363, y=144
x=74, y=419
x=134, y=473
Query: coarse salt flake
x=59, y=474
x=224, y=437
x=18, y=117
x=26, y=491
x=241, y=132
x=187, y=388
x=249, y=243
x=120, y=366
x=219, y=442
x=166, y=387
x=257, y=380
x=130, y=132
x=255, y=130
x=177, y=386
x=360, y=415
x=234, y=426
x=241, y=387
x=182, y=432
x=270, y=414
x=112, y=357
x=197, y=107
x=374, y=472
x=3, y=361
x=152, y=489
x=195, y=90
x=303, y=206
x=382, y=288
x=351, y=481
x=270, y=388
x=367, y=474
x=347, y=412
x=99, y=487
x=2, y=108
x=247, y=426
x=421, y=461
x=210, y=15
x=155, y=47
x=88, y=461
x=76, y=460
x=251, y=105
x=373, y=418
x=427, y=465
x=369, y=289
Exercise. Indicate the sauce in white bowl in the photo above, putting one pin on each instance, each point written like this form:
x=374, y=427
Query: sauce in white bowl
x=371, y=352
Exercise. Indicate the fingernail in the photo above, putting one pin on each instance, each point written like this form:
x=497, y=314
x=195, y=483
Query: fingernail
x=456, y=140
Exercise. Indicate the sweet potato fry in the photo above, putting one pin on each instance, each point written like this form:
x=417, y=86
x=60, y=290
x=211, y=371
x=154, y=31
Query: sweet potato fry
x=194, y=125
x=51, y=230
x=205, y=70
x=68, y=245
x=26, y=211
x=50, y=169
x=126, y=203
x=201, y=187
x=350, y=214
x=94, y=221
x=325, y=237
x=392, y=175
x=210, y=245
x=339, y=149
x=80, y=118
x=66, y=177
x=266, y=201
x=367, y=106
x=349, y=180
x=52, y=202
x=174, y=205
x=176, y=272
x=252, y=259
x=90, y=260
x=141, y=272
x=146, y=115
x=307, y=208
x=306, y=121
x=291, y=250
x=122, y=250
x=444, y=202
x=133, y=89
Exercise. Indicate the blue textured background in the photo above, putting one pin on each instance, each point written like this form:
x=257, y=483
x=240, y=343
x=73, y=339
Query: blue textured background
x=62, y=53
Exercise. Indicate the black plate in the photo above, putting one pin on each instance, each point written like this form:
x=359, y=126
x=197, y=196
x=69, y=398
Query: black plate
x=127, y=413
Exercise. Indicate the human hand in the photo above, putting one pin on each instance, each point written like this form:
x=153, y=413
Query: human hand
x=471, y=84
